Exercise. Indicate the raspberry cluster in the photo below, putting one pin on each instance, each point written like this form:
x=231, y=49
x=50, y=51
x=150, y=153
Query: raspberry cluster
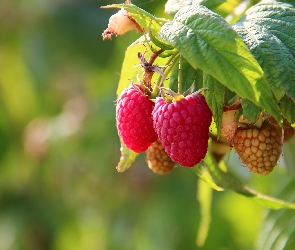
x=181, y=125
x=176, y=130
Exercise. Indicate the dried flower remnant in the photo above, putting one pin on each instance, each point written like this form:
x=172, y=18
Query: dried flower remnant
x=120, y=23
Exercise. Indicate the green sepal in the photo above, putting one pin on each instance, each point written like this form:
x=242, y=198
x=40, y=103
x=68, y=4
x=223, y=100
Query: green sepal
x=224, y=179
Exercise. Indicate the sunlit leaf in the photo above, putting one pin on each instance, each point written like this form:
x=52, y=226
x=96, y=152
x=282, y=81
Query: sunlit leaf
x=208, y=42
x=224, y=179
x=183, y=76
x=172, y=6
x=204, y=174
x=127, y=158
x=204, y=197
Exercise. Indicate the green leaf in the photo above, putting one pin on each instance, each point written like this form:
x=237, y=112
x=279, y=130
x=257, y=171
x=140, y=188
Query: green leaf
x=204, y=175
x=208, y=42
x=172, y=6
x=278, y=18
x=159, y=42
x=225, y=180
x=289, y=156
x=288, y=1
x=204, y=196
x=127, y=158
x=148, y=22
x=287, y=107
x=273, y=56
x=278, y=231
x=214, y=98
x=128, y=71
x=183, y=76
x=250, y=110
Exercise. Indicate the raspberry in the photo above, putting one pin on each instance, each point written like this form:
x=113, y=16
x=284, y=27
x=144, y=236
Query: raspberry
x=183, y=127
x=260, y=148
x=158, y=160
x=134, y=119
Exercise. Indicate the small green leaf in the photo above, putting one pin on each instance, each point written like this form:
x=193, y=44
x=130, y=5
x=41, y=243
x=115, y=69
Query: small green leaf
x=287, y=107
x=158, y=42
x=204, y=175
x=127, y=158
x=148, y=22
x=174, y=79
x=209, y=43
x=225, y=180
x=172, y=6
x=250, y=110
x=214, y=98
x=183, y=76
x=273, y=56
x=204, y=196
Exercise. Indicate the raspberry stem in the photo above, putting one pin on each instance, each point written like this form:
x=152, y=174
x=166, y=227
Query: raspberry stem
x=167, y=70
x=199, y=91
x=154, y=56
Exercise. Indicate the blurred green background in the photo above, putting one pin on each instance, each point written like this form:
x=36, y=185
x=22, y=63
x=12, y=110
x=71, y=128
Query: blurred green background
x=59, y=188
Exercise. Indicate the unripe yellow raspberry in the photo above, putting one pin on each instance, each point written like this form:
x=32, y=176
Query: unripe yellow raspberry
x=260, y=148
x=158, y=161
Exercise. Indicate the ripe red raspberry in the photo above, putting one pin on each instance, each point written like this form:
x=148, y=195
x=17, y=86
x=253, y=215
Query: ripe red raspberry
x=134, y=119
x=158, y=160
x=183, y=127
x=260, y=148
